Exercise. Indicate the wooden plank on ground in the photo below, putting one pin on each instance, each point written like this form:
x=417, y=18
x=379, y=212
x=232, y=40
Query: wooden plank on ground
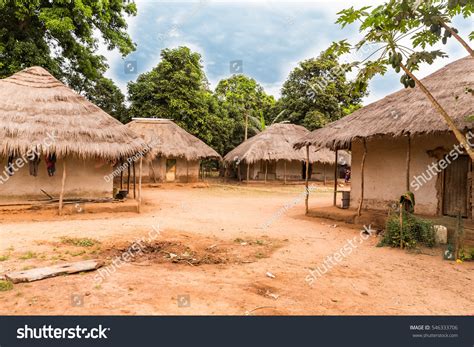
x=52, y=271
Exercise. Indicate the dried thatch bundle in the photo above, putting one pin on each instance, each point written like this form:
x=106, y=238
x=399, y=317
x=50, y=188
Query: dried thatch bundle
x=276, y=143
x=34, y=104
x=407, y=111
x=166, y=139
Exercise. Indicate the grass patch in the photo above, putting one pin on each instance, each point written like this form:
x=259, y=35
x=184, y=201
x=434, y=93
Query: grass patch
x=79, y=242
x=28, y=255
x=415, y=231
x=4, y=257
x=5, y=285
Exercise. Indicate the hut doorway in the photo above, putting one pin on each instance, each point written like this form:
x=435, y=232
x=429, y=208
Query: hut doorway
x=170, y=170
x=455, y=190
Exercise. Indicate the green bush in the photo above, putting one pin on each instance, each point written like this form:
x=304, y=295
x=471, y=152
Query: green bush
x=415, y=231
x=5, y=285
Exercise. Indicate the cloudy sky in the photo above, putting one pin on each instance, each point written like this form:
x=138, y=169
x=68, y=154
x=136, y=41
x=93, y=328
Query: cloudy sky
x=268, y=37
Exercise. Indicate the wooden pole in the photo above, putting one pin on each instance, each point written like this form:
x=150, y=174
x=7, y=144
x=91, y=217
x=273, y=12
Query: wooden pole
x=324, y=173
x=140, y=184
x=128, y=177
x=306, y=182
x=121, y=175
x=187, y=171
x=134, y=182
x=408, y=163
x=359, y=209
x=401, y=226
x=266, y=170
x=335, y=180
x=63, y=183
x=285, y=171
x=248, y=172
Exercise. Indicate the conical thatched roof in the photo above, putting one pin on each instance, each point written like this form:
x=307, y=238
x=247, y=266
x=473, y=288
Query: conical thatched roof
x=166, y=139
x=406, y=111
x=276, y=143
x=34, y=104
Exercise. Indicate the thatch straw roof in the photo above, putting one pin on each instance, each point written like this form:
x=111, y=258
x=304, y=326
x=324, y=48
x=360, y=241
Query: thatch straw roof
x=34, y=104
x=406, y=111
x=276, y=143
x=166, y=139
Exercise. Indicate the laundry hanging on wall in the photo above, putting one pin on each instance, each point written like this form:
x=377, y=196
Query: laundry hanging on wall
x=34, y=163
x=51, y=164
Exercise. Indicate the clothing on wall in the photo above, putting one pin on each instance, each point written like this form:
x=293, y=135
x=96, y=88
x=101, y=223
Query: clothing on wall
x=34, y=163
x=51, y=164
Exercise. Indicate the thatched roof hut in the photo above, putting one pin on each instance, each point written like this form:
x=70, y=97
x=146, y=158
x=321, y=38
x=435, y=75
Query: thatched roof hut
x=167, y=139
x=400, y=143
x=407, y=111
x=34, y=103
x=47, y=126
x=276, y=143
x=271, y=154
x=174, y=153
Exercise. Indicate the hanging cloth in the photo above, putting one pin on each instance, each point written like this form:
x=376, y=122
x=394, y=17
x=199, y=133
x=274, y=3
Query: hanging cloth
x=34, y=163
x=51, y=164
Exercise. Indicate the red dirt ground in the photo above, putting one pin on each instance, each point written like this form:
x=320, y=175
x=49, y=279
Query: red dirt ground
x=213, y=248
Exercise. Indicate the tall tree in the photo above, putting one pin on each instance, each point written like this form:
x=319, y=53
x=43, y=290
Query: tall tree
x=177, y=88
x=319, y=91
x=105, y=94
x=62, y=36
x=385, y=26
x=247, y=104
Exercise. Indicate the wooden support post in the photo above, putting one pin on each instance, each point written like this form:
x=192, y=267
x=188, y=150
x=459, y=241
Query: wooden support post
x=134, y=182
x=285, y=170
x=128, y=177
x=140, y=185
x=359, y=209
x=63, y=183
x=266, y=170
x=187, y=171
x=401, y=226
x=248, y=172
x=324, y=173
x=408, y=162
x=306, y=184
x=121, y=175
x=335, y=180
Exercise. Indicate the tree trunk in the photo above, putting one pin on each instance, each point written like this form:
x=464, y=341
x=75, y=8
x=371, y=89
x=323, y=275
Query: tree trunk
x=449, y=121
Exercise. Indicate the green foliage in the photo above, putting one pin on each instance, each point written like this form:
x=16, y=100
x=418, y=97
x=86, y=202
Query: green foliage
x=415, y=231
x=240, y=95
x=318, y=91
x=177, y=89
x=5, y=286
x=79, y=242
x=105, y=94
x=62, y=36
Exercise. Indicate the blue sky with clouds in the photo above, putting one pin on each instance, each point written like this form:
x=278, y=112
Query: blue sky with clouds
x=269, y=37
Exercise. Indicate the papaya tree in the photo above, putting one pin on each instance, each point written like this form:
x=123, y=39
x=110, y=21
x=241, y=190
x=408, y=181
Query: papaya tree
x=385, y=27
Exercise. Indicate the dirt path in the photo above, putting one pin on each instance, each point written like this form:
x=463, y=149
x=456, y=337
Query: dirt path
x=251, y=233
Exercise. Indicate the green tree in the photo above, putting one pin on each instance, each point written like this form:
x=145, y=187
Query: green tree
x=385, y=27
x=318, y=91
x=177, y=88
x=105, y=94
x=246, y=103
x=62, y=36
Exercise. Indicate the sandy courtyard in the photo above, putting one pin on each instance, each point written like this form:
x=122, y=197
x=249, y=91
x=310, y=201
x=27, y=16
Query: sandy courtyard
x=224, y=250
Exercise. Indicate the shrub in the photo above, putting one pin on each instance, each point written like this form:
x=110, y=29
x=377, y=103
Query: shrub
x=85, y=242
x=5, y=285
x=415, y=231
